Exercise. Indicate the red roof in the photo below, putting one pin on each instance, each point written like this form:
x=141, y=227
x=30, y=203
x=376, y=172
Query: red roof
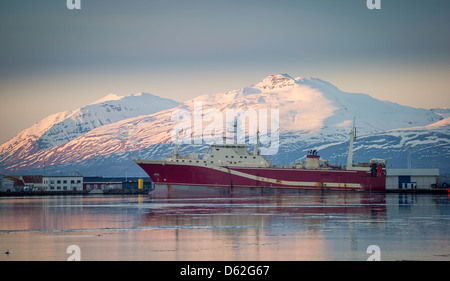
x=18, y=182
x=32, y=179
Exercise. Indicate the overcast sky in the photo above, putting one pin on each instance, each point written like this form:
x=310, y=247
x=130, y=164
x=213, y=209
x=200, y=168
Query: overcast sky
x=54, y=59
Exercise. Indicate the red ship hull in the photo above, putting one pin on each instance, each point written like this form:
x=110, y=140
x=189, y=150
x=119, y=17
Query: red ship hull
x=197, y=175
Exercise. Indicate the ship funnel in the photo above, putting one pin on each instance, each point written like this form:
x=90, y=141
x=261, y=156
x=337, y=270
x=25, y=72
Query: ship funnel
x=312, y=160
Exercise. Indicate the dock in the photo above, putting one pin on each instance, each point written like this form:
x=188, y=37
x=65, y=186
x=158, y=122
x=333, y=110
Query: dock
x=42, y=193
x=78, y=192
x=419, y=190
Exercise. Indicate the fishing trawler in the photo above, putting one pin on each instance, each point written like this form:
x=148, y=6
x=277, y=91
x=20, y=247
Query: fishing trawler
x=233, y=165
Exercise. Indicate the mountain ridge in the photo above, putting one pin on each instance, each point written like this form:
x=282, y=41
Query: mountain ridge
x=60, y=128
x=313, y=114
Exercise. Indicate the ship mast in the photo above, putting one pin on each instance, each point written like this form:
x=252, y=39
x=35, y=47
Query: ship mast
x=255, y=150
x=175, y=152
x=235, y=130
x=350, y=147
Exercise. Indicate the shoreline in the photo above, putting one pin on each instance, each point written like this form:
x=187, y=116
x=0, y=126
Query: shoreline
x=147, y=191
x=80, y=192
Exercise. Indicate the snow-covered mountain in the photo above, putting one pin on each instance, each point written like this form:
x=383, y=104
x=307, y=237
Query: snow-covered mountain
x=60, y=128
x=444, y=112
x=313, y=114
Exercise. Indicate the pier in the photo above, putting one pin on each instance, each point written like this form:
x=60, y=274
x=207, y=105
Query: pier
x=420, y=190
x=77, y=192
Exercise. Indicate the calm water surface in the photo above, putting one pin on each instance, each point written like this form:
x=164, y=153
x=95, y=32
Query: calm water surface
x=233, y=226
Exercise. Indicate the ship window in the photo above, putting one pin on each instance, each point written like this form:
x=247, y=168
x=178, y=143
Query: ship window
x=197, y=161
x=212, y=156
x=183, y=160
x=177, y=160
x=254, y=157
x=204, y=161
x=245, y=157
x=212, y=162
x=232, y=156
x=240, y=157
x=217, y=149
x=190, y=161
x=226, y=156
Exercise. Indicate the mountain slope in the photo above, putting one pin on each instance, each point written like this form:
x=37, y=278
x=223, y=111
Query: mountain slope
x=313, y=114
x=63, y=127
x=415, y=147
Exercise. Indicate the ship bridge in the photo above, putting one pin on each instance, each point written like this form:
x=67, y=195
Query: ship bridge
x=235, y=155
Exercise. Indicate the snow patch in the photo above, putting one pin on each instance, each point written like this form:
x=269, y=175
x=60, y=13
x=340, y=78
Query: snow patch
x=109, y=97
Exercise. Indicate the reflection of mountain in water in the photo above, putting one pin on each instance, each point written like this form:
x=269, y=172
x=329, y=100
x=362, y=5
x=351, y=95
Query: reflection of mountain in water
x=241, y=225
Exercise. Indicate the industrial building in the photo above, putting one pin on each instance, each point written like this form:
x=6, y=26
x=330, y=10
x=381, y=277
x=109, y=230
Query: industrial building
x=106, y=183
x=412, y=178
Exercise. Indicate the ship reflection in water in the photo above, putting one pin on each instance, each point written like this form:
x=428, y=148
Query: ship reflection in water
x=222, y=224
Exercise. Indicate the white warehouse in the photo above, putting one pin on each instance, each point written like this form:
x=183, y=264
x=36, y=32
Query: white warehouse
x=411, y=178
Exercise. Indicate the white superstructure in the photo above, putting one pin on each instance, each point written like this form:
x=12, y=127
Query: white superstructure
x=222, y=155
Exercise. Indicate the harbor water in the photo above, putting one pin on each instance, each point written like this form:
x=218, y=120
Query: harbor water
x=224, y=225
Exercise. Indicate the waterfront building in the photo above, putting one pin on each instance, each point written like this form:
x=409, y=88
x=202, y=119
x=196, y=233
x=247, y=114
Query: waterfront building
x=6, y=184
x=62, y=183
x=101, y=183
x=412, y=178
x=105, y=183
